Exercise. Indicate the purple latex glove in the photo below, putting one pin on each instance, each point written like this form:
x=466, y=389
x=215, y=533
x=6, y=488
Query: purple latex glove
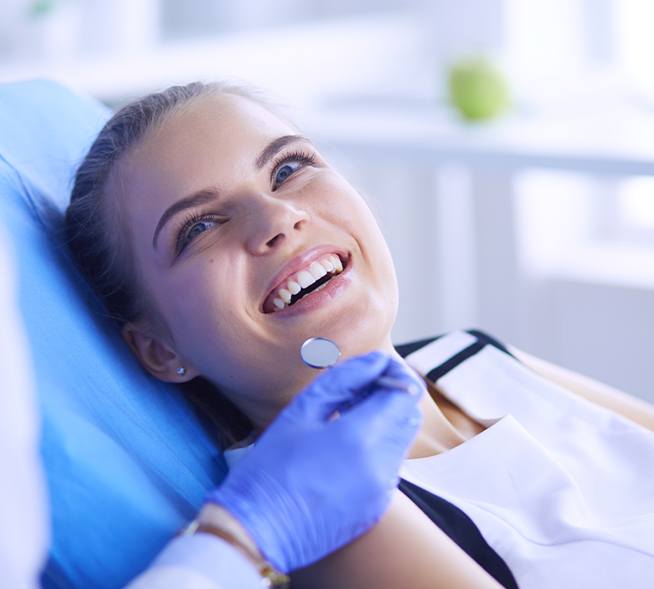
x=311, y=484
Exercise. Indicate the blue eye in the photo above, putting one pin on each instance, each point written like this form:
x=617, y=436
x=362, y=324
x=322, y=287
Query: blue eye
x=193, y=226
x=284, y=172
x=192, y=233
x=282, y=168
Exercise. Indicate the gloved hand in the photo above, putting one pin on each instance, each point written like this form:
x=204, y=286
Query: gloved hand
x=312, y=484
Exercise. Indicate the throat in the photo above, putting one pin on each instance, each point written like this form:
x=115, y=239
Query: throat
x=444, y=425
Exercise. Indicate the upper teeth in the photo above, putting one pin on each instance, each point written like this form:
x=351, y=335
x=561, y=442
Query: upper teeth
x=306, y=277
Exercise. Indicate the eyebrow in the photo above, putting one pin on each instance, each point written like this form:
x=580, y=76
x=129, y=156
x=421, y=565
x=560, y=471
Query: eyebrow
x=276, y=145
x=193, y=200
x=205, y=195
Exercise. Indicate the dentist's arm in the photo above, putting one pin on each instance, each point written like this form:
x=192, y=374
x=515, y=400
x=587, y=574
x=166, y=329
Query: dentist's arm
x=23, y=497
x=309, y=486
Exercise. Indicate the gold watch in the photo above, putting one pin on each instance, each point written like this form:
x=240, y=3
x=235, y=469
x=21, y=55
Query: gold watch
x=270, y=576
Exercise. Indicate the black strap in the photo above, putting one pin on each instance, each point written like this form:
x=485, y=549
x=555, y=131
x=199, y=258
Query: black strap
x=462, y=530
x=448, y=517
x=405, y=349
x=482, y=340
x=489, y=340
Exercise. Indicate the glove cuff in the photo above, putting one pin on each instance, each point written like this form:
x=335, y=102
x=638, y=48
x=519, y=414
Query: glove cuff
x=269, y=575
x=246, y=507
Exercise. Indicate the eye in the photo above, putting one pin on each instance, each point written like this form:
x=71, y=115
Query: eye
x=192, y=226
x=283, y=168
x=284, y=172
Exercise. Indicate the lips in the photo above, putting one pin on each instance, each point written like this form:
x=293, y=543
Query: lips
x=300, y=262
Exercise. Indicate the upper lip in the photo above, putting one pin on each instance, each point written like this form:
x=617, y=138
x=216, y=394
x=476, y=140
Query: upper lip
x=299, y=262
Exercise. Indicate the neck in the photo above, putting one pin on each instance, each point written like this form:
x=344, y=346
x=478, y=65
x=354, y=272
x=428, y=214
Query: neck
x=436, y=433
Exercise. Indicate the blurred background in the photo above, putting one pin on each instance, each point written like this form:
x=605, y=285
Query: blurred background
x=507, y=145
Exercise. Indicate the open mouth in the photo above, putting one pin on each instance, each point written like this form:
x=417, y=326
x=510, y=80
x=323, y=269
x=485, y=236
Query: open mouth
x=313, y=278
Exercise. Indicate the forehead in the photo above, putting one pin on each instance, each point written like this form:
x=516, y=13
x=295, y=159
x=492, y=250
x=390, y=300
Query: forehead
x=231, y=127
x=210, y=141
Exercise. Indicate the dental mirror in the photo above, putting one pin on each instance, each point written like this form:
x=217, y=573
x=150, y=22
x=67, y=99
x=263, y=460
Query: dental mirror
x=321, y=352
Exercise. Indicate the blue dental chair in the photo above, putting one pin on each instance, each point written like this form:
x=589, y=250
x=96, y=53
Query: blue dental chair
x=127, y=461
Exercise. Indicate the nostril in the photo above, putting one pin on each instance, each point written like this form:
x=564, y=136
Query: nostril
x=274, y=240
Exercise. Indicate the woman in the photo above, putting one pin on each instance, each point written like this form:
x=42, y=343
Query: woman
x=206, y=222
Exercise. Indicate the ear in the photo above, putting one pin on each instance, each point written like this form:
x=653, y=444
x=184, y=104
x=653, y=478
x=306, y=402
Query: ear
x=155, y=355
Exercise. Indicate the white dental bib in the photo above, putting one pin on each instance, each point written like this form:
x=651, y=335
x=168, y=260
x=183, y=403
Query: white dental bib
x=561, y=488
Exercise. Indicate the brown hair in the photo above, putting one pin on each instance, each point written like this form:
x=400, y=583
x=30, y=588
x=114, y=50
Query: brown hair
x=95, y=233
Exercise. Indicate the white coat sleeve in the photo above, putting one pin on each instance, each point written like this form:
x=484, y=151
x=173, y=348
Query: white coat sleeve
x=200, y=561
x=24, y=513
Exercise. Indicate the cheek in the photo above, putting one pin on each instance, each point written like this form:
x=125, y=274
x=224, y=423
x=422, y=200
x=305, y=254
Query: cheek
x=340, y=203
x=197, y=302
x=351, y=212
x=213, y=330
x=372, y=240
x=378, y=256
x=210, y=302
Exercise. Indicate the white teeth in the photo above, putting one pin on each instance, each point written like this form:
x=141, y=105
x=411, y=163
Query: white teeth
x=305, y=278
x=317, y=270
x=327, y=264
x=279, y=303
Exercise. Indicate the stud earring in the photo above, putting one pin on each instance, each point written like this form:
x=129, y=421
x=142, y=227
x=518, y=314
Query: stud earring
x=181, y=371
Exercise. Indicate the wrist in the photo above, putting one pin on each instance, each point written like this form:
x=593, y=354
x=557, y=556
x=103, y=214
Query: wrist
x=218, y=521
x=213, y=515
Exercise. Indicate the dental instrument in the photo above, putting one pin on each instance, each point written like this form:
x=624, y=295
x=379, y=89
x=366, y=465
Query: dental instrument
x=322, y=352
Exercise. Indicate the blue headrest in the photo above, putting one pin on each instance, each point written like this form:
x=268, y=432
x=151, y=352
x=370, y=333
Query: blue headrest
x=126, y=459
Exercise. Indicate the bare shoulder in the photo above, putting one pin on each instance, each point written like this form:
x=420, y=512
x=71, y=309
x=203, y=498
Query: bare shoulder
x=629, y=406
x=405, y=549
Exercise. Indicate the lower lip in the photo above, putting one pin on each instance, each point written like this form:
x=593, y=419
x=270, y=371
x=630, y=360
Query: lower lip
x=319, y=298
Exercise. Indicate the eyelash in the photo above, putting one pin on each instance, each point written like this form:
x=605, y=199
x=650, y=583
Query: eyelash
x=188, y=222
x=306, y=159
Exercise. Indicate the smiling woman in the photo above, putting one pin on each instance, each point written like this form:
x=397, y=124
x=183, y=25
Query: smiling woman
x=261, y=204
x=221, y=239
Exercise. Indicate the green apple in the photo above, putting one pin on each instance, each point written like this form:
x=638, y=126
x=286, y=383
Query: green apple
x=477, y=88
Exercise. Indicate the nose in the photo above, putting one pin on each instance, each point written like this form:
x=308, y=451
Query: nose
x=274, y=221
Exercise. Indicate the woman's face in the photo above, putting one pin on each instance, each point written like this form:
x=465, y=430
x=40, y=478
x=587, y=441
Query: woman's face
x=263, y=198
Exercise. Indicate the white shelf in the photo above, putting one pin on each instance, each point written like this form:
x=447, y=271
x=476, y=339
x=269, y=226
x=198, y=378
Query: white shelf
x=614, y=139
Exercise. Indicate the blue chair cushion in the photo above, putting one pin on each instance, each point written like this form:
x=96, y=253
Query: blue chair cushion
x=127, y=461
